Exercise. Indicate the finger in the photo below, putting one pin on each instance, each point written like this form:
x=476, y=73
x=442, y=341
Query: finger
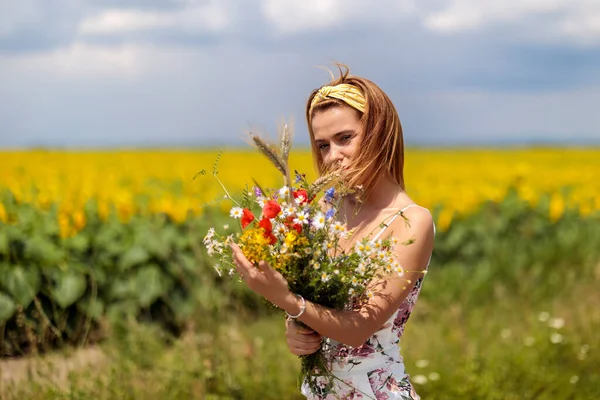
x=292, y=326
x=302, y=351
x=305, y=341
x=266, y=268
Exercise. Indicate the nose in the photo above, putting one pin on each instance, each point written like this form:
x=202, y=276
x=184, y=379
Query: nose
x=335, y=154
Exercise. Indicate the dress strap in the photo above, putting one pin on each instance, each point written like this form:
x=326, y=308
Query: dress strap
x=385, y=225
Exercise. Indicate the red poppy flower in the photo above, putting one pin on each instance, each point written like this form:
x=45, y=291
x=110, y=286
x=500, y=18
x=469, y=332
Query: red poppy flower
x=298, y=228
x=271, y=209
x=272, y=238
x=301, y=193
x=265, y=223
x=247, y=217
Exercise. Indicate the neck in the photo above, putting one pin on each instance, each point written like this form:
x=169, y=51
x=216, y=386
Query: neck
x=384, y=194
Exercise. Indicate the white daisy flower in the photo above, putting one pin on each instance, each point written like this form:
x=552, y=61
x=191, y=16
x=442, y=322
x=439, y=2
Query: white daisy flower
x=280, y=229
x=288, y=210
x=370, y=294
x=209, y=235
x=316, y=265
x=361, y=269
x=261, y=201
x=301, y=218
x=327, y=246
x=354, y=281
x=556, y=323
x=338, y=228
x=359, y=248
x=236, y=212
x=398, y=269
x=324, y=277
x=351, y=291
x=319, y=221
x=284, y=191
x=226, y=226
x=336, y=271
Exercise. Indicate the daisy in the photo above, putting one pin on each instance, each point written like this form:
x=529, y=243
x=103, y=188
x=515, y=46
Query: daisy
x=288, y=210
x=280, y=229
x=301, y=218
x=324, y=277
x=284, y=191
x=236, y=212
x=319, y=221
x=361, y=269
x=338, y=228
x=261, y=201
x=209, y=235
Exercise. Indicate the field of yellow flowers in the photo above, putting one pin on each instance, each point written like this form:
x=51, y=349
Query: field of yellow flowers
x=455, y=180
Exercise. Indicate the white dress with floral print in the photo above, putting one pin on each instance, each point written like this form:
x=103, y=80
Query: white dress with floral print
x=374, y=370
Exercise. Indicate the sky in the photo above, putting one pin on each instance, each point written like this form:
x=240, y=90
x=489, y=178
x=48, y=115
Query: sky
x=182, y=73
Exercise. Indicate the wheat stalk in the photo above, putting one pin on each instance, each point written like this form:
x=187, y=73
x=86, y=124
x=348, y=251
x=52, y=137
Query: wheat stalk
x=323, y=181
x=268, y=151
x=286, y=142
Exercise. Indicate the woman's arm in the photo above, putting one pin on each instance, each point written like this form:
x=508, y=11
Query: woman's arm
x=353, y=327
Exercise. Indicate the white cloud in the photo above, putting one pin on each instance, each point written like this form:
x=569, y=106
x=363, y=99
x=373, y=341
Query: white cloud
x=77, y=60
x=293, y=16
x=208, y=17
x=577, y=20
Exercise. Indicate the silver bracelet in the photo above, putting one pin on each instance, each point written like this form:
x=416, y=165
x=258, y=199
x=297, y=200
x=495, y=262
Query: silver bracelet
x=302, y=308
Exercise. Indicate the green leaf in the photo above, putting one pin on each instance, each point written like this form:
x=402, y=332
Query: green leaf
x=134, y=256
x=22, y=284
x=70, y=286
x=4, y=243
x=121, y=288
x=93, y=308
x=7, y=307
x=150, y=284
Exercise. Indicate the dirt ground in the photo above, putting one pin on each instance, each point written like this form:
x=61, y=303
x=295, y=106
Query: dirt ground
x=52, y=368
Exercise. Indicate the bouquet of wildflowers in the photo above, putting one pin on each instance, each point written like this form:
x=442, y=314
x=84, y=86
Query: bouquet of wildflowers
x=299, y=237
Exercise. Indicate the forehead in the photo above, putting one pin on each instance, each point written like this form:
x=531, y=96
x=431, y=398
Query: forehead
x=328, y=123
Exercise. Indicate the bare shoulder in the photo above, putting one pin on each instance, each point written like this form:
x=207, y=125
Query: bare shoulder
x=417, y=218
x=415, y=224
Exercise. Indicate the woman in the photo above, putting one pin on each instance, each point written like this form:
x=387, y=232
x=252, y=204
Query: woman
x=353, y=123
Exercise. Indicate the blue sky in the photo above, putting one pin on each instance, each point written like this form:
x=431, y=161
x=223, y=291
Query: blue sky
x=106, y=73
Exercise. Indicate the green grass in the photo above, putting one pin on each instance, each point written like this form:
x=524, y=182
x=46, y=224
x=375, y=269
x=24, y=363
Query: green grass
x=487, y=326
x=498, y=350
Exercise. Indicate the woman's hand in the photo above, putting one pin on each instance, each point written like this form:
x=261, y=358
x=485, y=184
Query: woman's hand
x=300, y=340
x=263, y=280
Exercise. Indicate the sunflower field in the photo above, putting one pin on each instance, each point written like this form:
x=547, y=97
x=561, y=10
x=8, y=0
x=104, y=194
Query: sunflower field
x=106, y=247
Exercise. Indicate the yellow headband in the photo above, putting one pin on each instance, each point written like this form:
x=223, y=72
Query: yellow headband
x=349, y=94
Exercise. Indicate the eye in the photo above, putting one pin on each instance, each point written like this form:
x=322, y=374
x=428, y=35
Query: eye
x=323, y=146
x=345, y=138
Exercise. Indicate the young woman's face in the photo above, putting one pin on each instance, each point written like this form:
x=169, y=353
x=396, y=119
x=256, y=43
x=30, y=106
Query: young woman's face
x=336, y=132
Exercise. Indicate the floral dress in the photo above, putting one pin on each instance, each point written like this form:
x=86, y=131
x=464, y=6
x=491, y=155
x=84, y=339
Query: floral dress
x=374, y=370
